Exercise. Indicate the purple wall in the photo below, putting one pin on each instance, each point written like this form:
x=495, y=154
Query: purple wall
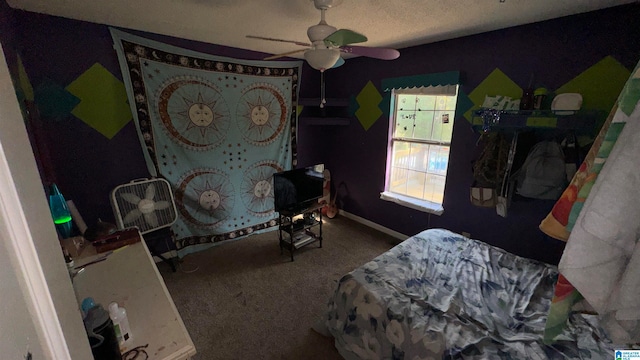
x=7, y=36
x=555, y=51
x=87, y=165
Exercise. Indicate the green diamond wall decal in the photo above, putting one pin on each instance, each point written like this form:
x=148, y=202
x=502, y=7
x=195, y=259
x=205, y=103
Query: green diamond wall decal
x=23, y=81
x=497, y=83
x=368, y=98
x=599, y=85
x=464, y=103
x=103, y=100
x=53, y=100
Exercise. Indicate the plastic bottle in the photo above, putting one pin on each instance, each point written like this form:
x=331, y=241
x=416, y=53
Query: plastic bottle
x=120, y=322
x=68, y=260
x=87, y=303
x=526, y=102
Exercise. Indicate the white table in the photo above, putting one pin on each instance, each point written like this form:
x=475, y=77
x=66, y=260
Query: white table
x=129, y=277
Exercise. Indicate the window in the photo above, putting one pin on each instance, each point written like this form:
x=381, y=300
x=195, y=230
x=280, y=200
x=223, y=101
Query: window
x=421, y=127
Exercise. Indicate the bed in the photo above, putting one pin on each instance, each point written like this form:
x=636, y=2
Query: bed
x=439, y=295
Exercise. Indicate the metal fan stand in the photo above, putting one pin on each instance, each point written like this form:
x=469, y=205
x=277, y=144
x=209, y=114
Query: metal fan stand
x=147, y=204
x=151, y=238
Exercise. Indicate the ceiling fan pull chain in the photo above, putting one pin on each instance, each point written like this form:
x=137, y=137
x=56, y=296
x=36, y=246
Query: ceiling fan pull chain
x=322, y=97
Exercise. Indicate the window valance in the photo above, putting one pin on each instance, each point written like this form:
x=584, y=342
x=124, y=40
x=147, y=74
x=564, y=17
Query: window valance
x=424, y=81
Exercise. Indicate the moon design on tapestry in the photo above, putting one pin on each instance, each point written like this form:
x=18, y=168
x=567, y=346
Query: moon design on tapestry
x=261, y=114
x=205, y=197
x=257, y=187
x=193, y=112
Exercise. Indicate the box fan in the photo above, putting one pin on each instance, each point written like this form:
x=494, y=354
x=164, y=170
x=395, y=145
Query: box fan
x=146, y=204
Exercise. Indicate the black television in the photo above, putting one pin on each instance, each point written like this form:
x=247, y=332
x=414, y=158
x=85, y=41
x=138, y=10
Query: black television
x=298, y=189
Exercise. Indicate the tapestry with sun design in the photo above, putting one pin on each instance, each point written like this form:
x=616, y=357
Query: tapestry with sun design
x=217, y=129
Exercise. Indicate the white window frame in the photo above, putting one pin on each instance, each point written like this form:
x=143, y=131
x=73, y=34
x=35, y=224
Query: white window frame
x=402, y=199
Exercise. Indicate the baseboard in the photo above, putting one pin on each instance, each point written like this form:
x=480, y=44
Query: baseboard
x=373, y=225
x=173, y=253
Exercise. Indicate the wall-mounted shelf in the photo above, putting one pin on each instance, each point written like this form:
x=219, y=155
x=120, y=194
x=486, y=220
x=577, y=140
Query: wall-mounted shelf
x=491, y=119
x=334, y=112
x=331, y=102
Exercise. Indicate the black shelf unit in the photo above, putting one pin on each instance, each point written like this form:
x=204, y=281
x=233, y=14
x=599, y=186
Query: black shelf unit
x=337, y=102
x=584, y=121
x=334, y=112
x=299, y=228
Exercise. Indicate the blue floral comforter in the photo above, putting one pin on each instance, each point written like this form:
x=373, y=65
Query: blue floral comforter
x=439, y=295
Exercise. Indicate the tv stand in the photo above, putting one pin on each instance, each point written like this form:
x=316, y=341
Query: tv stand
x=300, y=227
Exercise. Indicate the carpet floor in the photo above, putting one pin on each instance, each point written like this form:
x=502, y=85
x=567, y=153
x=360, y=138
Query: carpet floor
x=245, y=300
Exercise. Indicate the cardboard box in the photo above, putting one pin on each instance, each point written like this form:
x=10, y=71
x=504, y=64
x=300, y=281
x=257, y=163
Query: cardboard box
x=74, y=245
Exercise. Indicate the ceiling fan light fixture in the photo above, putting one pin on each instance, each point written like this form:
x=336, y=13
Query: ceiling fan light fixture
x=327, y=43
x=322, y=59
x=320, y=32
x=326, y=4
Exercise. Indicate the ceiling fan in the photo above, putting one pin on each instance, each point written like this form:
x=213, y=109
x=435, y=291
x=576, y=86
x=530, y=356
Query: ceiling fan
x=327, y=43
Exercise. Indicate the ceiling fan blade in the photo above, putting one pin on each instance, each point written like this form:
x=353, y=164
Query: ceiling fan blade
x=339, y=63
x=279, y=40
x=284, y=54
x=372, y=52
x=344, y=37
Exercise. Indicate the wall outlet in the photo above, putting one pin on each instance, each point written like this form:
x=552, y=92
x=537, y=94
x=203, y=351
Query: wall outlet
x=466, y=234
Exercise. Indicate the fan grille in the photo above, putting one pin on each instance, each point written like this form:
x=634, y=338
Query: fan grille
x=145, y=204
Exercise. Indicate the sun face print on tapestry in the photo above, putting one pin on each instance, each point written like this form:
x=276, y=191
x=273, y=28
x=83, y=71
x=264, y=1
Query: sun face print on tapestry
x=217, y=129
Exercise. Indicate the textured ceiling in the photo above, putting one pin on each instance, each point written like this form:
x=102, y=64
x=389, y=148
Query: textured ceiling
x=386, y=23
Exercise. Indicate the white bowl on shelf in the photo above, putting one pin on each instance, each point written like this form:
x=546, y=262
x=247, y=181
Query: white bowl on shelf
x=566, y=104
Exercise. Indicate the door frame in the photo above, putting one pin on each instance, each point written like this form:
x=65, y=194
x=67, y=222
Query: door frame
x=15, y=232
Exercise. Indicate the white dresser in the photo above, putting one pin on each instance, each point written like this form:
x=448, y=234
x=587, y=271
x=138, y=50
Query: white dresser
x=129, y=277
